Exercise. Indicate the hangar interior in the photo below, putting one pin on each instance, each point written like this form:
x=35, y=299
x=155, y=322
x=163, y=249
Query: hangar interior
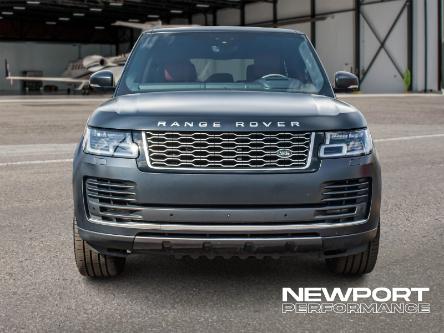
x=392, y=45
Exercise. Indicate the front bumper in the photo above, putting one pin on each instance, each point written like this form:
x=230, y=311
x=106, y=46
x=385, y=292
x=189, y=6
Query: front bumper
x=233, y=213
x=238, y=246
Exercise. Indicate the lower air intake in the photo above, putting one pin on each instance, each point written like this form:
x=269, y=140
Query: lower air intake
x=111, y=200
x=345, y=200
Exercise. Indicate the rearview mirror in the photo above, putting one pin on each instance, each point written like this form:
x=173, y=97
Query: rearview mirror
x=102, y=80
x=346, y=82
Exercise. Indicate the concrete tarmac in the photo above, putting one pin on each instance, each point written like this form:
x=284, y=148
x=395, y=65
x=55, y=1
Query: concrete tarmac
x=41, y=290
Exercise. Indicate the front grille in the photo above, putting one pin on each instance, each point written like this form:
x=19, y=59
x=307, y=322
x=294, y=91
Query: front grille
x=229, y=150
x=345, y=200
x=111, y=200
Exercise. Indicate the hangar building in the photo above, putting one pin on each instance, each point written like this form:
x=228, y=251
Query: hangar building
x=392, y=45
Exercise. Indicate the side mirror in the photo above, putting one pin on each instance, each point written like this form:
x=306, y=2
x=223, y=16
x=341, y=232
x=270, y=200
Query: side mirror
x=102, y=80
x=346, y=82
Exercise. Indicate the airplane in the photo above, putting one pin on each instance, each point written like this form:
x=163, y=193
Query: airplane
x=78, y=72
x=158, y=23
x=149, y=25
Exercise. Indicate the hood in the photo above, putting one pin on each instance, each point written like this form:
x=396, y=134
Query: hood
x=226, y=111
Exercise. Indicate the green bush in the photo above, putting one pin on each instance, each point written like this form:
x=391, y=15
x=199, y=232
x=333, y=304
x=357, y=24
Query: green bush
x=407, y=78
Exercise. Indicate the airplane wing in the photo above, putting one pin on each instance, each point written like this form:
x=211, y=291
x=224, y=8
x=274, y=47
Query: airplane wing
x=45, y=79
x=11, y=78
x=119, y=60
x=141, y=26
x=149, y=25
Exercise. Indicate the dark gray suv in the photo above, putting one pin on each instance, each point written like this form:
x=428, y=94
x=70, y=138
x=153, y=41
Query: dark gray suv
x=223, y=141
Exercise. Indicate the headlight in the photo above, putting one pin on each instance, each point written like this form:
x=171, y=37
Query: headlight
x=106, y=142
x=346, y=143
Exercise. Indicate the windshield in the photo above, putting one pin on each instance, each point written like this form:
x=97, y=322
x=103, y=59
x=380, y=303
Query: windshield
x=204, y=60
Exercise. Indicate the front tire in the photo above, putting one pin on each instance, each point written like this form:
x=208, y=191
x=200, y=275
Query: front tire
x=356, y=264
x=91, y=263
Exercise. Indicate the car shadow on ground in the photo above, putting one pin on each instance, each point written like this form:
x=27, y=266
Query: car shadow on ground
x=202, y=281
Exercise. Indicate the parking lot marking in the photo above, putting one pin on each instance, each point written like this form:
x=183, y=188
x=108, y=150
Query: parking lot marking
x=54, y=100
x=34, y=149
x=390, y=95
x=413, y=137
x=35, y=162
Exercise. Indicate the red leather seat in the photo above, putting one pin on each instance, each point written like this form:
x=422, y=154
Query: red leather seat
x=180, y=71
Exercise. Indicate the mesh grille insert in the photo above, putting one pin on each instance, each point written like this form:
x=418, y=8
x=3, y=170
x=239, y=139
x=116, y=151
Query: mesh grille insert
x=228, y=150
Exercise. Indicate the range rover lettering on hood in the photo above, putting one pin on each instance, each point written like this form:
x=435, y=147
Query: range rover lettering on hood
x=237, y=124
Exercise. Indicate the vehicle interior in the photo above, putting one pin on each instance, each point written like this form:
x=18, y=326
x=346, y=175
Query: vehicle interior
x=238, y=61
